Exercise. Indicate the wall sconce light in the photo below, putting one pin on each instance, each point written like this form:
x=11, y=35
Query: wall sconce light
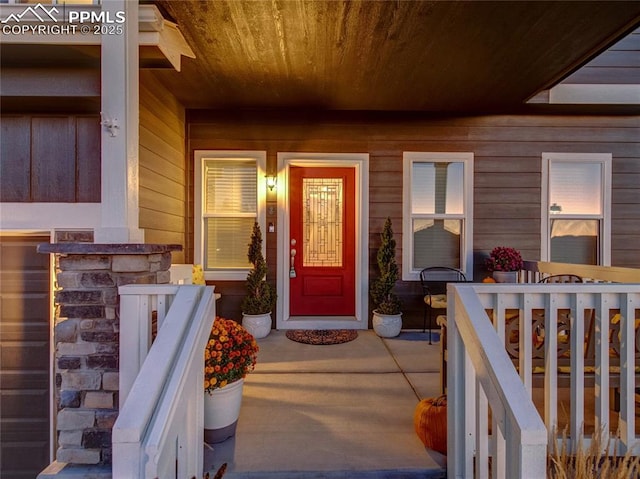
x=555, y=208
x=271, y=181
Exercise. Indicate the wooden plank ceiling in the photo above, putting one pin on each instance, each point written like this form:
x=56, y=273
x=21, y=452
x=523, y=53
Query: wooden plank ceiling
x=386, y=55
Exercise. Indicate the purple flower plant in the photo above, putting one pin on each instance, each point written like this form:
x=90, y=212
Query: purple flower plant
x=503, y=258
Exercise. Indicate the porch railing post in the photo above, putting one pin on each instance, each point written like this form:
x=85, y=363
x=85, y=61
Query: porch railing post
x=459, y=405
x=627, y=371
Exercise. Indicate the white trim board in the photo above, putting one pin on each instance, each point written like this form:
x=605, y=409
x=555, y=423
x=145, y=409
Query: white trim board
x=49, y=216
x=595, y=94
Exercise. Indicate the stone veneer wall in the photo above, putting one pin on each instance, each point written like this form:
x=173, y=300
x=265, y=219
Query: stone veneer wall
x=86, y=338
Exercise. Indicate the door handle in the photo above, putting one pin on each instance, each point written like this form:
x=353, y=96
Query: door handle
x=292, y=268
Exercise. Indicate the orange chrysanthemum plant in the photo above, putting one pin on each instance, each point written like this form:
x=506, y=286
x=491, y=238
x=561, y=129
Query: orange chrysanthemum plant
x=230, y=354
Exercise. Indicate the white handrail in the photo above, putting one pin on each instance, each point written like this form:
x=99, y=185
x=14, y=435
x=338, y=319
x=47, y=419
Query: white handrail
x=158, y=432
x=481, y=373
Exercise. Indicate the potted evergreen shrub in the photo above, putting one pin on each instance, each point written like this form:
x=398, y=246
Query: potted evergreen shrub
x=261, y=296
x=387, y=317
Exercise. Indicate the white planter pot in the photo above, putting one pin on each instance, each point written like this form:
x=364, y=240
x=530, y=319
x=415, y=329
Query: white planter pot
x=505, y=276
x=387, y=325
x=259, y=325
x=221, y=412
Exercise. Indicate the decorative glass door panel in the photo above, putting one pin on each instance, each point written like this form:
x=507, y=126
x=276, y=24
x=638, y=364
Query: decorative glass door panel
x=322, y=242
x=323, y=221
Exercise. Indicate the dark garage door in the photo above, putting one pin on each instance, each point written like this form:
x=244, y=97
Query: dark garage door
x=24, y=357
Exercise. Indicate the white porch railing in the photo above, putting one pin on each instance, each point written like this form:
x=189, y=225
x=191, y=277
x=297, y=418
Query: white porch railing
x=159, y=429
x=143, y=309
x=534, y=271
x=482, y=375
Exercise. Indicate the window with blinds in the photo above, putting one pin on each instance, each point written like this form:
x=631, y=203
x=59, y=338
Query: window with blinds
x=230, y=209
x=435, y=220
x=578, y=192
x=230, y=187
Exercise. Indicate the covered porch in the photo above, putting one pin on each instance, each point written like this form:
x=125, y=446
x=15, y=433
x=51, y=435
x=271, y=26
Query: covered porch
x=347, y=409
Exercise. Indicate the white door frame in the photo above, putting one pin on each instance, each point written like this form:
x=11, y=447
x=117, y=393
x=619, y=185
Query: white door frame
x=360, y=162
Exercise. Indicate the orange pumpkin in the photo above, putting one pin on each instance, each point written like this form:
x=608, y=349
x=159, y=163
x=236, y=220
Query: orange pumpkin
x=488, y=279
x=430, y=422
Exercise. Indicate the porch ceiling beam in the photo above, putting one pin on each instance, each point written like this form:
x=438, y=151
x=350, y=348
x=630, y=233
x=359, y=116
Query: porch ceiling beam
x=157, y=37
x=168, y=39
x=155, y=31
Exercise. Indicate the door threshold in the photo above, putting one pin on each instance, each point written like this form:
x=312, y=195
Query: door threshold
x=323, y=322
x=322, y=318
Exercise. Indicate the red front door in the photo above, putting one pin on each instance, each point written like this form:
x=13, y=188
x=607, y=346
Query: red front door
x=322, y=241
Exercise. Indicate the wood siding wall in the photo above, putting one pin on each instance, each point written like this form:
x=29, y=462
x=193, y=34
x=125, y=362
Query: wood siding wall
x=507, y=176
x=163, y=181
x=50, y=158
x=620, y=64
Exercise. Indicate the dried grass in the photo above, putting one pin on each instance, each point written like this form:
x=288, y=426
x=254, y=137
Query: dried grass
x=593, y=462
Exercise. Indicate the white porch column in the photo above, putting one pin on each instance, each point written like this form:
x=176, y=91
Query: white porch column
x=120, y=118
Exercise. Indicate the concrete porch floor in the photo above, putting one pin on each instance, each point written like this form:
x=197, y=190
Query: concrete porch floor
x=337, y=411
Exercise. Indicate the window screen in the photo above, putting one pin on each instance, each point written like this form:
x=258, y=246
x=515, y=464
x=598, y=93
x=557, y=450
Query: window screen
x=576, y=210
x=576, y=188
x=575, y=241
x=436, y=243
x=436, y=193
x=230, y=209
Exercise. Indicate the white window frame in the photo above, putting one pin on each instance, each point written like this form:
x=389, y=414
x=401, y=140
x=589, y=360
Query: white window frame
x=605, y=159
x=466, y=247
x=260, y=157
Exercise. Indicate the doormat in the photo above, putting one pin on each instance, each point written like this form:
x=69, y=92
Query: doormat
x=322, y=336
